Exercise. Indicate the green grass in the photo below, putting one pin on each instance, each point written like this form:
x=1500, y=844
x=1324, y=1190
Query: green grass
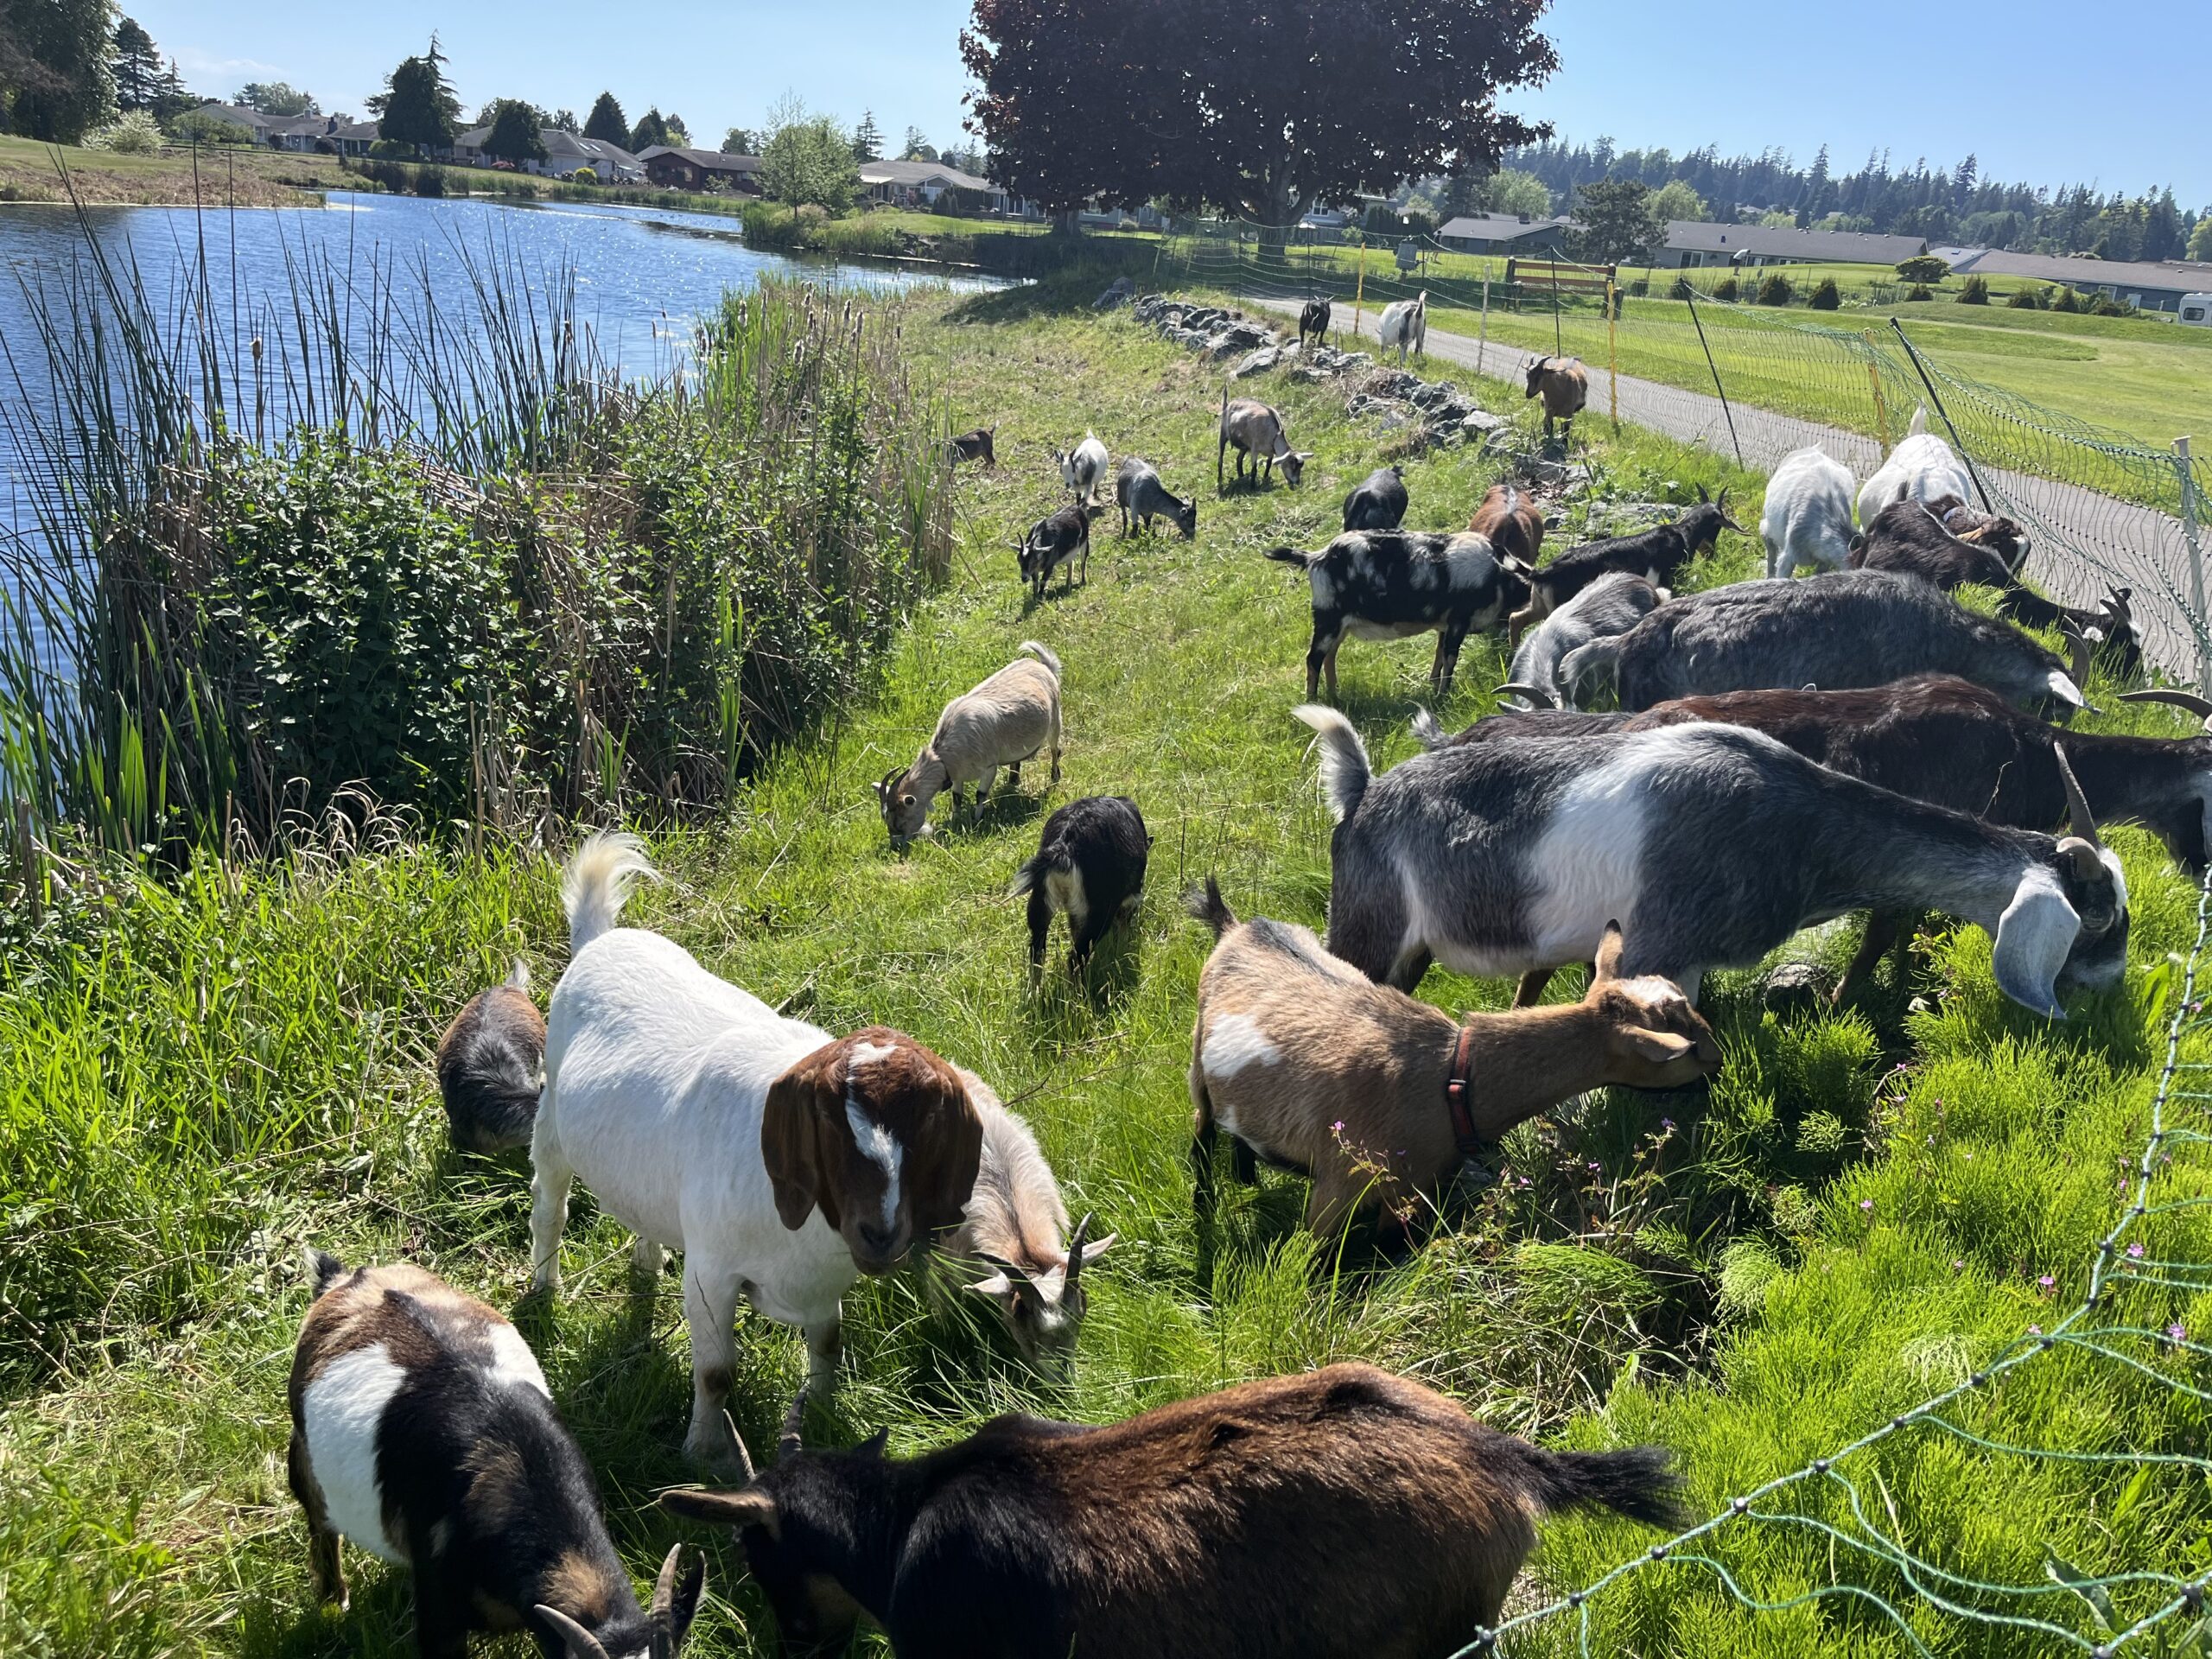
x=197, y=1078
x=247, y=178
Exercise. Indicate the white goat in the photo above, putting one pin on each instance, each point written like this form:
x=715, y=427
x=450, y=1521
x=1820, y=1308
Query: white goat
x=1922, y=467
x=1807, y=519
x=781, y=1161
x=1007, y=720
x=1083, y=468
x=1405, y=325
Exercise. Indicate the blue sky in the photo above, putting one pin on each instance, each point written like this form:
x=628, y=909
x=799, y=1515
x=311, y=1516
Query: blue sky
x=2021, y=85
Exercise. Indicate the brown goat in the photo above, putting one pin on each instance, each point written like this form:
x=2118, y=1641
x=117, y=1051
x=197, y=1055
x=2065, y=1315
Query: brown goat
x=1512, y=522
x=1311, y=1065
x=1565, y=385
x=490, y=1066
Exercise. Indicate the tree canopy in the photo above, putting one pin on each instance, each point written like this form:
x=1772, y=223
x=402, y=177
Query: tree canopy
x=275, y=98
x=740, y=140
x=56, y=78
x=807, y=159
x=515, y=131
x=136, y=65
x=868, y=138
x=1263, y=107
x=652, y=129
x=607, y=122
x=418, y=105
x=1617, y=225
x=1676, y=199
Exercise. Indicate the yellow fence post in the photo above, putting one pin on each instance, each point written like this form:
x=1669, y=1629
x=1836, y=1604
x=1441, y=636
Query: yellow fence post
x=1881, y=409
x=1613, y=349
x=1359, y=289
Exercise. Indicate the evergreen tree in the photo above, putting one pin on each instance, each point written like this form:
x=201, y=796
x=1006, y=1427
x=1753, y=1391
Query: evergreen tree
x=914, y=146
x=868, y=138
x=607, y=122
x=136, y=65
x=565, y=120
x=678, y=133
x=515, y=131
x=418, y=105
x=740, y=140
x=652, y=129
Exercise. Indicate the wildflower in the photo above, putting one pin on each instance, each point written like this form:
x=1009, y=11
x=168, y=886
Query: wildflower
x=1667, y=1123
x=2135, y=1251
x=1337, y=1128
x=2047, y=1282
x=1866, y=1204
x=2176, y=1333
x=1595, y=1168
x=2034, y=1330
x=1958, y=1264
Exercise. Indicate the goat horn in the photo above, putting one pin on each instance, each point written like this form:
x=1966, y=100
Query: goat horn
x=675, y=1571
x=1075, y=1254
x=2077, y=805
x=788, y=1440
x=1014, y=1271
x=2201, y=707
x=1535, y=694
x=744, y=1458
x=2084, y=649
x=2114, y=605
x=580, y=1642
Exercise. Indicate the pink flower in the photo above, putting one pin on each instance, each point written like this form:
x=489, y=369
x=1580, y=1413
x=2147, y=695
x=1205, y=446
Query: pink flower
x=1958, y=1264
x=2047, y=1282
x=1594, y=1168
x=2034, y=1330
x=2135, y=1251
x=1337, y=1128
x=1866, y=1204
x=2175, y=1333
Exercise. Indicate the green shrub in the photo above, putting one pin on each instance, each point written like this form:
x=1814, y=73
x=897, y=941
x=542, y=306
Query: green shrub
x=1774, y=289
x=137, y=134
x=1681, y=290
x=1920, y=291
x=1727, y=289
x=197, y=127
x=2066, y=299
x=2028, y=299
x=429, y=181
x=1640, y=287
x=584, y=175
x=2105, y=306
x=1922, y=269
x=1976, y=291
x=1826, y=295
x=392, y=150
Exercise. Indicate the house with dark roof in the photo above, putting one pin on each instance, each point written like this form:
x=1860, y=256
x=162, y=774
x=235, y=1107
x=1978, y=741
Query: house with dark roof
x=918, y=184
x=1523, y=234
x=351, y=137
x=2148, y=286
x=1691, y=244
x=566, y=154
x=676, y=167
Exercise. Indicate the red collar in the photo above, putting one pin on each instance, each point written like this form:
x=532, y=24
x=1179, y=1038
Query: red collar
x=1456, y=1088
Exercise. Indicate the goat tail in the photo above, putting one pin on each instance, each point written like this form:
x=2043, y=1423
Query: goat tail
x=1345, y=769
x=1288, y=556
x=1043, y=654
x=600, y=876
x=1428, y=730
x=519, y=979
x=1205, y=903
x=1031, y=876
x=1919, y=421
x=324, y=1269
x=1637, y=1481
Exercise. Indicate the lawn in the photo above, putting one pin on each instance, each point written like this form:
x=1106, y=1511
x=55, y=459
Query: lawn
x=223, y=177
x=199, y=1075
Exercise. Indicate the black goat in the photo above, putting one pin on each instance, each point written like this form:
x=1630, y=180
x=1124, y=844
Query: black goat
x=1336, y=1514
x=1379, y=503
x=974, y=446
x=1090, y=866
x=1053, y=541
x=1392, y=584
x=491, y=1065
x=1313, y=319
x=1657, y=555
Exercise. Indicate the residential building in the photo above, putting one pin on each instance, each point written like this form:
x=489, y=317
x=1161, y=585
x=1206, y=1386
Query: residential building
x=565, y=154
x=351, y=137
x=2159, y=286
x=1522, y=235
x=918, y=184
x=677, y=169
x=1691, y=244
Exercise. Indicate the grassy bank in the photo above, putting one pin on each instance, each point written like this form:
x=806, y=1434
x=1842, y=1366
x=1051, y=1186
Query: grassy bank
x=30, y=171
x=1009, y=248
x=200, y=1075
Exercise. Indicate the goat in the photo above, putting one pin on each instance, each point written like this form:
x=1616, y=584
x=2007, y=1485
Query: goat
x=974, y=446
x=1564, y=384
x=1391, y=584
x=1007, y=720
x=1921, y=469
x=1308, y=1064
x=1842, y=629
x=1013, y=1223
x=489, y=1064
x=1510, y=522
x=423, y=1433
x=1404, y=324
x=1379, y=503
x=1257, y=432
x=1613, y=603
x=1083, y=468
x=1313, y=321
x=1142, y=498
x=783, y=1162
x=1059, y=538
x=1090, y=866
x=1657, y=555
x=1511, y=855
x=1984, y=529
x=1807, y=518
x=1338, y=1513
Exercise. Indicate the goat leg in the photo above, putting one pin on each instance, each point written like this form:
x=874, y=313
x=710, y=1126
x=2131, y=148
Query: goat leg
x=1884, y=929
x=1531, y=989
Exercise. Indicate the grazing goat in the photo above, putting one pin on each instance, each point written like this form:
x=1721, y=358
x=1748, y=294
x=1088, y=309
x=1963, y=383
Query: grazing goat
x=1984, y=529
x=1007, y=720
x=1338, y=1514
x=1657, y=555
x=783, y=1162
x=1404, y=325
x=423, y=1433
x=1842, y=629
x=490, y=1062
x=1089, y=866
x=1612, y=604
x=1564, y=384
x=1142, y=498
x=1511, y=522
x=1807, y=518
x=1083, y=468
x=1511, y=856
x=1921, y=469
x=1308, y=1064
x=1257, y=432
x=974, y=446
x=1314, y=321
x=1060, y=538
x=1013, y=1223
x=1379, y=503
x=1391, y=584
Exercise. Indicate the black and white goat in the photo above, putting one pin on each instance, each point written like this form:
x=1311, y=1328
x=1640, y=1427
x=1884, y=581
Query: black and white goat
x=1141, y=497
x=423, y=1433
x=1657, y=555
x=1379, y=503
x=1840, y=629
x=1083, y=468
x=1612, y=604
x=1393, y=584
x=1089, y=866
x=1314, y=321
x=1060, y=538
x=1510, y=856
x=491, y=1061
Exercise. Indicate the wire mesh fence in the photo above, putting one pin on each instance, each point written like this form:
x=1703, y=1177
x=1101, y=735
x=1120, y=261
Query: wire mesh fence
x=2104, y=509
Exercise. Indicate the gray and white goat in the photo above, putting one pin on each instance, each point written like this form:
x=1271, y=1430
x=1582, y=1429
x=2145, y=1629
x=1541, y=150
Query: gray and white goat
x=1807, y=518
x=1710, y=844
x=1083, y=468
x=1611, y=605
x=1011, y=717
x=1142, y=498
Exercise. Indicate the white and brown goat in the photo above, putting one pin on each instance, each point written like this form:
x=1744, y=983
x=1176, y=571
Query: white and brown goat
x=423, y=1433
x=1257, y=432
x=1009, y=718
x=1310, y=1065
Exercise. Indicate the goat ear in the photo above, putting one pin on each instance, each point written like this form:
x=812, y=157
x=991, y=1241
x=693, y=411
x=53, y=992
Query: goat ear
x=997, y=1285
x=1660, y=1047
x=790, y=1139
x=941, y=1166
x=747, y=1507
x=2034, y=935
x=1607, y=963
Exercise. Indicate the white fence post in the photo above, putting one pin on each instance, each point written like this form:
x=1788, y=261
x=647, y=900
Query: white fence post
x=2195, y=564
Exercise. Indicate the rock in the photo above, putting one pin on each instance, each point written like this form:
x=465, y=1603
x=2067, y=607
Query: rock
x=1795, y=987
x=1117, y=295
x=1257, y=362
x=1481, y=423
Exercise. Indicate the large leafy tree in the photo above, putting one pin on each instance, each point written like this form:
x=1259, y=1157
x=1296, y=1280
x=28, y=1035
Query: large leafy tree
x=807, y=158
x=55, y=78
x=418, y=105
x=1617, y=223
x=276, y=98
x=740, y=140
x=1262, y=107
x=607, y=122
x=515, y=132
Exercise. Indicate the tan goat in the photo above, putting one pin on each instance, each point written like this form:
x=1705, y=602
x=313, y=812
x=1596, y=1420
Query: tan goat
x=1007, y=720
x=1309, y=1064
x=1565, y=385
x=1511, y=522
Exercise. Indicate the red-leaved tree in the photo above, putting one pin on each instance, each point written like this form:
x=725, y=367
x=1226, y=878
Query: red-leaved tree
x=1261, y=107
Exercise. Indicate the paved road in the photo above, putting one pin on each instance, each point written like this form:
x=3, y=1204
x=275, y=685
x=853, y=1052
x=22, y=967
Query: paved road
x=2084, y=541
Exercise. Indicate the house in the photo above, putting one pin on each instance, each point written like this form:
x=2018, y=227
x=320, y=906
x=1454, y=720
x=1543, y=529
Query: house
x=2160, y=286
x=350, y=138
x=918, y=184
x=1691, y=244
x=1522, y=234
x=565, y=154
x=674, y=168
x=304, y=132
x=239, y=116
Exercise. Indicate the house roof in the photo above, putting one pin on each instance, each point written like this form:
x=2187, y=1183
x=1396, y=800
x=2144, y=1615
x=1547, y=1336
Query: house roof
x=1785, y=242
x=237, y=115
x=918, y=173
x=1501, y=228
x=368, y=130
x=713, y=160
x=560, y=145
x=2179, y=274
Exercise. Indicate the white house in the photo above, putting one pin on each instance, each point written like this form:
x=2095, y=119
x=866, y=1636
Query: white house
x=918, y=184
